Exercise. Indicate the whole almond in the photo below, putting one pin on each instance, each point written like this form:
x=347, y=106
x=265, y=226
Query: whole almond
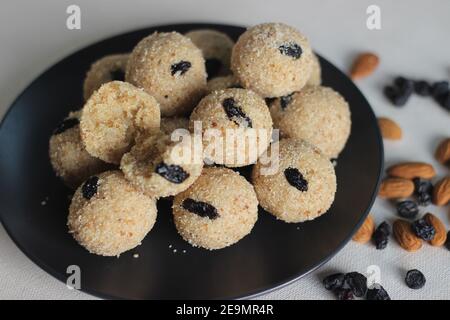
x=389, y=129
x=443, y=152
x=364, y=65
x=441, y=192
x=411, y=170
x=364, y=234
x=405, y=236
x=441, y=233
x=394, y=188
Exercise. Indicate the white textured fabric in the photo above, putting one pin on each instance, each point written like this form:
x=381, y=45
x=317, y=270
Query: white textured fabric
x=411, y=42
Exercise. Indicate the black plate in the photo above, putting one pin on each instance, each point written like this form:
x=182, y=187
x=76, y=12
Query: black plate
x=275, y=253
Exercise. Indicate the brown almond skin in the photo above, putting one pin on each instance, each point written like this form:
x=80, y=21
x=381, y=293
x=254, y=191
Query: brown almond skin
x=365, y=64
x=411, y=170
x=389, y=129
x=443, y=152
x=441, y=192
x=405, y=236
x=394, y=188
x=364, y=234
x=441, y=233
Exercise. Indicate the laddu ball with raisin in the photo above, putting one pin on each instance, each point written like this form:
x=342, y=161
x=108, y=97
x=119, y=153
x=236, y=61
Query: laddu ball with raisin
x=240, y=119
x=113, y=116
x=222, y=83
x=302, y=184
x=106, y=69
x=170, y=68
x=316, y=114
x=272, y=59
x=161, y=167
x=218, y=210
x=108, y=216
x=68, y=156
x=216, y=47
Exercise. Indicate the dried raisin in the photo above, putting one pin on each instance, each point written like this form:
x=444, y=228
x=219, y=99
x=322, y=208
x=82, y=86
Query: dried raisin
x=423, y=229
x=422, y=186
x=377, y=292
x=415, y=279
x=334, y=281
x=407, y=209
x=344, y=294
x=357, y=283
x=66, y=125
x=180, y=68
x=381, y=235
x=213, y=67
x=89, y=188
x=296, y=179
x=285, y=101
x=422, y=88
x=235, y=113
x=200, y=208
x=172, y=173
x=439, y=88
x=291, y=49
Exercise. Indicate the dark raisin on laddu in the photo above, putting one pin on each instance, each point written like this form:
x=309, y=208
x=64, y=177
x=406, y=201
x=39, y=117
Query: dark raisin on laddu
x=172, y=173
x=213, y=67
x=89, y=188
x=296, y=179
x=235, y=113
x=180, y=67
x=285, y=101
x=200, y=208
x=291, y=49
x=66, y=125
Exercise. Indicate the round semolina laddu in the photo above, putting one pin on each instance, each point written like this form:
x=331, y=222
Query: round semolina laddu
x=109, y=216
x=239, y=120
x=303, y=185
x=272, y=59
x=106, y=69
x=68, y=157
x=222, y=83
x=170, y=68
x=161, y=167
x=316, y=72
x=216, y=47
x=218, y=210
x=316, y=114
x=170, y=124
x=112, y=117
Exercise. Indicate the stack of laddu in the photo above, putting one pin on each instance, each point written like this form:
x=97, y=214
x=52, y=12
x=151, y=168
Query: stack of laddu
x=118, y=153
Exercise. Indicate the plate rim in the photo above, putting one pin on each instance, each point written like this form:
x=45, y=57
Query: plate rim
x=252, y=295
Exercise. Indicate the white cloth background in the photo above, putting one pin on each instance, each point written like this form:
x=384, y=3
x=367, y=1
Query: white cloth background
x=413, y=41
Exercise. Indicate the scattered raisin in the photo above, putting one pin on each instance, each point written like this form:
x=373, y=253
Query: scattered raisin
x=415, y=279
x=444, y=100
x=180, y=68
x=89, y=188
x=66, y=125
x=291, y=49
x=422, y=88
x=117, y=75
x=285, y=101
x=396, y=96
x=407, y=209
x=213, y=67
x=423, y=229
x=381, y=235
x=377, y=292
x=235, y=113
x=424, y=199
x=296, y=179
x=334, y=281
x=422, y=186
x=344, y=294
x=172, y=173
x=404, y=85
x=357, y=283
x=200, y=208
x=439, y=88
